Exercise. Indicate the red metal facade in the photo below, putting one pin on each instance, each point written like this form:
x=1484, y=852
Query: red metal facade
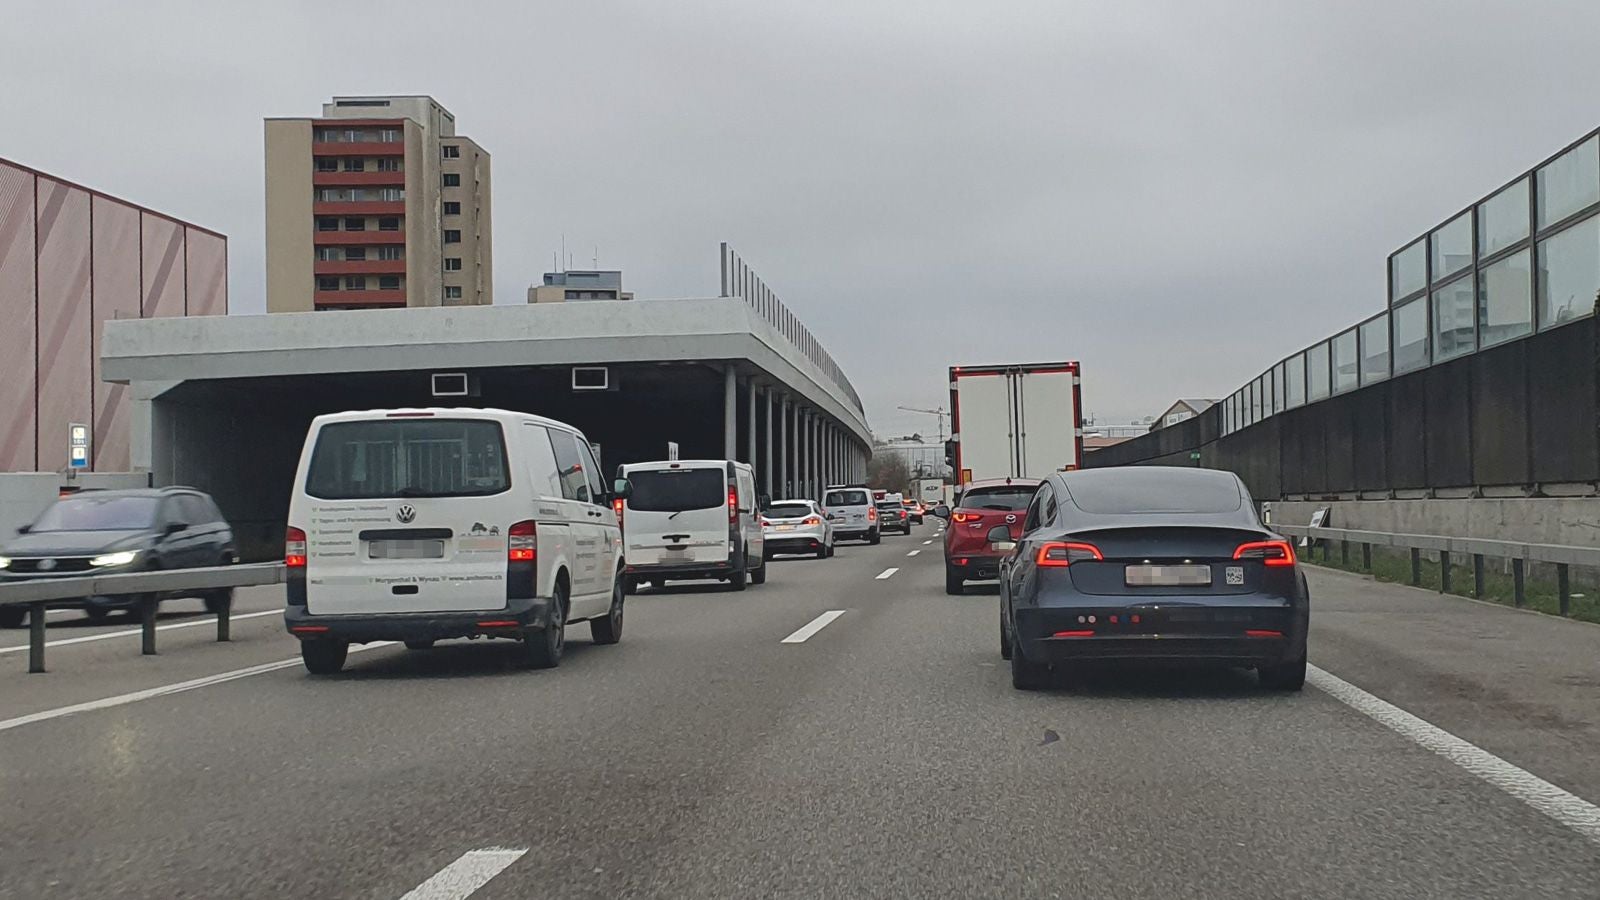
x=70, y=259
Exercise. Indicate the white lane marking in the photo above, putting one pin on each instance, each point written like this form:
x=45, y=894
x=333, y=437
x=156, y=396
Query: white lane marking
x=887, y=573
x=470, y=871
x=927, y=542
x=1569, y=809
x=163, y=690
x=135, y=632
x=812, y=627
x=913, y=552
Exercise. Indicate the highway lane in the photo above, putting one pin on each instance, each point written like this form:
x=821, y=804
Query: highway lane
x=883, y=755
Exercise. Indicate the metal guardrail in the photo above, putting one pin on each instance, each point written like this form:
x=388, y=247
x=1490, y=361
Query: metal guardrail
x=1562, y=556
x=38, y=595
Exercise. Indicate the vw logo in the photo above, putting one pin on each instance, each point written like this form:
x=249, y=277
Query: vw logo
x=405, y=514
x=1011, y=520
x=46, y=565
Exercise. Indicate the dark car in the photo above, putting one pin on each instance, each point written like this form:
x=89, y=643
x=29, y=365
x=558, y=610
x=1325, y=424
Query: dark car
x=982, y=505
x=893, y=517
x=1150, y=563
x=107, y=532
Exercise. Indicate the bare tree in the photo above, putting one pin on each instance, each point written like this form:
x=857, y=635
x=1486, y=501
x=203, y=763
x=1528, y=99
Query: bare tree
x=889, y=471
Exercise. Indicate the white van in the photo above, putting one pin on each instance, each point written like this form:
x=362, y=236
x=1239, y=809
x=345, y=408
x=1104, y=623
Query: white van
x=686, y=519
x=852, y=512
x=417, y=525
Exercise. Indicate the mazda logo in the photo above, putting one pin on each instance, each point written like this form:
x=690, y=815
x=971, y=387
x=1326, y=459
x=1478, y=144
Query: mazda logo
x=405, y=514
x=1011, y=520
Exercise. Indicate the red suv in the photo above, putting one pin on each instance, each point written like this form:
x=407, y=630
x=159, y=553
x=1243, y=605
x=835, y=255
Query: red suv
x=968, y=555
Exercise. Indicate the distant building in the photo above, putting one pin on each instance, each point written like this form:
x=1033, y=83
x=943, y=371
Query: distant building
x=378, y=203
x=579, y=284
x=1181, y=410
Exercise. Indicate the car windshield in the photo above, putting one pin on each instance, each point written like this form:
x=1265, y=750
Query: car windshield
x=1155, y=489
x=1008, y=497
x=846, y=498
x=677, y=490
x=788, y=511
x=408, y=458
x=90, y=513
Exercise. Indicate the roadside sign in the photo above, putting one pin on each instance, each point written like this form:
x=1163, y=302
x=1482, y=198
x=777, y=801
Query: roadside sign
x=672, y=451
x=77, y=446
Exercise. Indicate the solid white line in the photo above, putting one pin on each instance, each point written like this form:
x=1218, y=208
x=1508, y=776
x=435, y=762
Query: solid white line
x=887, y=573
x=812, y=627
x=1569, y=809
x=135, y=632
x=913, y=552
x=163, y=690
x=470, y=871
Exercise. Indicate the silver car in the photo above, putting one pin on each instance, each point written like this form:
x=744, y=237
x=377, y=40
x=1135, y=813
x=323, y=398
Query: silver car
x=796, y=526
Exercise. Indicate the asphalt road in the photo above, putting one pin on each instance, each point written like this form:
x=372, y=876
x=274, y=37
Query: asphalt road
x=884, y=755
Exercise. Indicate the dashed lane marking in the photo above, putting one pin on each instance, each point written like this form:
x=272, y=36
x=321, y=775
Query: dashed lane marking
x=471, y=870
x=812, y=627
x=887, y=573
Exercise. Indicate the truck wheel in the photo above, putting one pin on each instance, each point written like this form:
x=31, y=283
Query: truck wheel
x=324, y=656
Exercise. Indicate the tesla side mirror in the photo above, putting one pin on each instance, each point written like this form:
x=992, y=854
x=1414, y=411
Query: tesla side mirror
x=942, y=511
x=1000, y=537
x=622, y=489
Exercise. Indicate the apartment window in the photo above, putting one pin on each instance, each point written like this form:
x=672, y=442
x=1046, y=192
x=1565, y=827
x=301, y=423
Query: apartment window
x=355, y=283
x=389, y=283
x=452, y=264
x=452, y=151
x=357, y=254
x=452, y=236
x=389, y=223
x=389, y=136
x=327, y=284
x=451, y=179
x=355, y=164
x=392, y=194
x=452, y=292
x=389, y=164
x=327, y=224
x=331, y=195
x=324, y=135
x=355, y=224
x=391, y=253
x=327, y=164
x=329, y=254
x=452, y=208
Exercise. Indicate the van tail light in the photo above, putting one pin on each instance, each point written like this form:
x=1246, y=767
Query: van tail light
x=1272, y=553
x=812, y=520
x=733, y=506
x=616, y=507
x=872, y=514
x=1060, y=554
x=964, y=517
x=294, y=548
x=522, y=542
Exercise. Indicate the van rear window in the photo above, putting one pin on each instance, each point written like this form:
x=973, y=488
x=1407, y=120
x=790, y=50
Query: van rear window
x=846, y=498
x=408, y=458
x=677, y=490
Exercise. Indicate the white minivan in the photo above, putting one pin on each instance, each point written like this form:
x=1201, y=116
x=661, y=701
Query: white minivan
x=686, y=519
x=418, y=525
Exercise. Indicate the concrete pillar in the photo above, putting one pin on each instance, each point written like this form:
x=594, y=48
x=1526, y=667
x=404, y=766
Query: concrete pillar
x=730, y=413
x=750, y=431
x=783, y=446
x=766, y=460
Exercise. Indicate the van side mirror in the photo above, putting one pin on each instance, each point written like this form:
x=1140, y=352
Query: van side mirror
x=622, y=489
x=942, y=511
x=1000, y=537
x=24, y=529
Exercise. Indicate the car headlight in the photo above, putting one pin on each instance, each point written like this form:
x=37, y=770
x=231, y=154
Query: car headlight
x=120, y=558
x=5, y=562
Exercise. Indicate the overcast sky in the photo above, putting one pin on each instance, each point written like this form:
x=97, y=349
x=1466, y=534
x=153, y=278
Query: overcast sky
x=1177, y=194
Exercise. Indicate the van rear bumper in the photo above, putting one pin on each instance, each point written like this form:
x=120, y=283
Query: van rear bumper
x=432, y=626
x=692, y=570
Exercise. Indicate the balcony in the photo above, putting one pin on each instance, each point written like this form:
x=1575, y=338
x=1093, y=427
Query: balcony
x=360, y=267
x=358, y=207
x=358, y=179
x=357, y=238
x=358, y=148
x=378, y=299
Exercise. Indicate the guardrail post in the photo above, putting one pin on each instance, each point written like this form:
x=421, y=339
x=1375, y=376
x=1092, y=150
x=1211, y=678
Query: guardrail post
x=1416, y=567
x=1519, y=595
x=1444, y=571
x=36, y=638
x=1564, y=587
x=147, y=625
x=1477, y=575
x=224, y=617
x=1366, y=556
x=1344, y=553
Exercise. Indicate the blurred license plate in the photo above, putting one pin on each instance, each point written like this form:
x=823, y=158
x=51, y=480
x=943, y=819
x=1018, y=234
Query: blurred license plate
x=405, y=550
x=1167, y=576
x=783, y=528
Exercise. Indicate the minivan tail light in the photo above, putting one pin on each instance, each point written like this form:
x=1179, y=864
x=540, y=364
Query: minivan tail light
x=872, y=514
x=616, y=507
x=294, y=548
x=1060, y=554
x=1272, y=553
x=522, y=542
x=733, y=506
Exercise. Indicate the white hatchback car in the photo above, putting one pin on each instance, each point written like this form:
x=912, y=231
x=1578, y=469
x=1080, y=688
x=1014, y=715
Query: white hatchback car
x=797, y=526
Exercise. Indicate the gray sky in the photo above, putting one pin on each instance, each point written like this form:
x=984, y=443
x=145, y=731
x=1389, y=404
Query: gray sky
x=1178, y=194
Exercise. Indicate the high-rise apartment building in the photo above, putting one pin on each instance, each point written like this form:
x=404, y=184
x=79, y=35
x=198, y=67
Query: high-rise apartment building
x=378, y=203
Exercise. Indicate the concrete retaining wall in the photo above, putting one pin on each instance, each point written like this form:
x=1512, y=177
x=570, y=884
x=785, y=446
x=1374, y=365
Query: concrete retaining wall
x=1546, y=520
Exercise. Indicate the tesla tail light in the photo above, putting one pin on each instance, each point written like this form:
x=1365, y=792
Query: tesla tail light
x=294, y=548
x=812, y=520
x=1272, y=553
x=1060, y=554
x=522, y=542
x=964, y=517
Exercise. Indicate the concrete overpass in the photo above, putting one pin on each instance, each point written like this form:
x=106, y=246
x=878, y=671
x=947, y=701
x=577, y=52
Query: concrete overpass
x=223, y=403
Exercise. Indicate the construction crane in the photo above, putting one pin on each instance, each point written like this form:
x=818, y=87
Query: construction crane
x=932, y=412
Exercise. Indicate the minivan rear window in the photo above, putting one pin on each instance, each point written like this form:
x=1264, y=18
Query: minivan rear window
x=846, y=498
x=677, y=490
x=408, y=458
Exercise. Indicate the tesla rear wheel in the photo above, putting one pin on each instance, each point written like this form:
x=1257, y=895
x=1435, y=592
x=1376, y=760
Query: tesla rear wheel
x=1027, y=676
x=609, y=629
x=1289, y=676
x=542, y=649
x=1005, y=639
x=954, y=584
x=324, y=656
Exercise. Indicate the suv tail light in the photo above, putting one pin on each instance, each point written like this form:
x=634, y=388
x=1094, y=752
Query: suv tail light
x=522, y=542
x=1272, y=553
x=812, y=520
x=965, y=517
x=1060, y=554
x=294, y=548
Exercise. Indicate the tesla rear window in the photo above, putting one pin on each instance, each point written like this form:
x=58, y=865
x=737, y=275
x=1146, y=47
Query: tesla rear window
x=678, y=490
x=1006, y=498
x=408, y=458
x=1149, y=490
x=788, y=511
x=99, y=514
x=847, y=498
